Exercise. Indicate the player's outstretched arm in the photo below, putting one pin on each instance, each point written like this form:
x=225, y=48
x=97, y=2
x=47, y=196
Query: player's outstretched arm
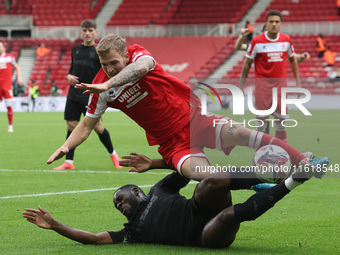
x=141, y=163
x=130, y=73
x=78, y=135
x=43, y=219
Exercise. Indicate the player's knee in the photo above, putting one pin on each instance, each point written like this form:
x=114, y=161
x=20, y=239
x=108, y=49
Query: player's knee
x=279, y=127
x=217, y=181
x=99, y=128
x=9, y=103
x=221, y=231
x=71, y=125
x=261, y=125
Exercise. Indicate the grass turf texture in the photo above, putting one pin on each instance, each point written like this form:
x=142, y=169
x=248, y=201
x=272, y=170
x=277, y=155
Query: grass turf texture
x=307, y=221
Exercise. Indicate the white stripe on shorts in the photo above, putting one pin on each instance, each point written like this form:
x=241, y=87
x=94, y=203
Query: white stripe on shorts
x=180, y=163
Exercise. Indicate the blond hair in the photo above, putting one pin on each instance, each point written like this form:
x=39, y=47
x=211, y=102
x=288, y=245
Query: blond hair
x=111, y=41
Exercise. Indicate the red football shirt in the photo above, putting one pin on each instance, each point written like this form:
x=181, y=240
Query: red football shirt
x=158, y=102
x=270, y=57
x=6, y=63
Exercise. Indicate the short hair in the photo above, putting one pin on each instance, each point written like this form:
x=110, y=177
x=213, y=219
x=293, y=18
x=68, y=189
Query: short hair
x=273, y=13
x=129, y=187
x=111, y=41
x=88, y=23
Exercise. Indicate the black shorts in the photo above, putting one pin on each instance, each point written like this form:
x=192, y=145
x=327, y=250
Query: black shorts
x=74, y=109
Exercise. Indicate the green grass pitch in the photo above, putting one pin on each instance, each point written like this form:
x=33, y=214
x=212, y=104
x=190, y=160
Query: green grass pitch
x=307, y=221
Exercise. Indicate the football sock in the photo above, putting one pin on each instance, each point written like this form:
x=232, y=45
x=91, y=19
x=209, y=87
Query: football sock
x=70, y=154
x=267, y=129
x=69, y=161
x=259, y=139
x=281, y=135
x=259, y=203
x=10, y=115
x=290, y=183
x=106, y=140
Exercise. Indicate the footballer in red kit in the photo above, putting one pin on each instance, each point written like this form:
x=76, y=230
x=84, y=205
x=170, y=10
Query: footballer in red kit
x=270, y=68
x=269, y=52
x=7, y=61
x=165, y=100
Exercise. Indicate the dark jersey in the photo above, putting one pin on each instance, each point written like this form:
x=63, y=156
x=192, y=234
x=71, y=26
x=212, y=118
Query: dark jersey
x=165, y=217
x=85, y=65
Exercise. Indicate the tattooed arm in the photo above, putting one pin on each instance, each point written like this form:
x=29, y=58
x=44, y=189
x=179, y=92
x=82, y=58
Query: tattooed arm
x=130, y=73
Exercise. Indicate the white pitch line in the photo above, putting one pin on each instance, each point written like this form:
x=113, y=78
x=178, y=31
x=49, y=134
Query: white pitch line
x=67, y=192
x=80, y=171
x=74, y=192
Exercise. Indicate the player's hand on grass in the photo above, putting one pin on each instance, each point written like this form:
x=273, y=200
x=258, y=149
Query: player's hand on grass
x=61, y=152
x=139, y=162
x=42, y=218
x=93, y=88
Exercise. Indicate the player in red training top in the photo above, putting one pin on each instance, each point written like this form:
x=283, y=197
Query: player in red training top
x=269, y=51
x=6, y=63
x=132, y=81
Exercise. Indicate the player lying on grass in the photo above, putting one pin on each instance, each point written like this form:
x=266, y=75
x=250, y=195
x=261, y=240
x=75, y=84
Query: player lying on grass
x=170, y=113
x=208, y=219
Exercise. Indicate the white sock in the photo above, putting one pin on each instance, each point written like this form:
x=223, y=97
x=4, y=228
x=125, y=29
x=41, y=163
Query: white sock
x=291, y=184
x=70, y=161
x=113, y=153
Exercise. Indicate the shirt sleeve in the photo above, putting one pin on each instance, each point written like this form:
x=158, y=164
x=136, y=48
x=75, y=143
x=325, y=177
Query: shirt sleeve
x=13, y=62
x=138, y=52
x=173, y=182
x=251, y=51
x=118, y=237
x=96, y=105
x=71, y=66
x=290, y=52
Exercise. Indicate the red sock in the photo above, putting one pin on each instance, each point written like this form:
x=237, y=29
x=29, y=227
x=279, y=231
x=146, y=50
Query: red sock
x=10, y=115
x=259, y=139
x=281, y=135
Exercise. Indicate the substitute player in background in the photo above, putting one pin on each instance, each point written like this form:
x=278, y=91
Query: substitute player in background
x=165, y=107
x=84, y=67
x=269, y=51
x=7, y=61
